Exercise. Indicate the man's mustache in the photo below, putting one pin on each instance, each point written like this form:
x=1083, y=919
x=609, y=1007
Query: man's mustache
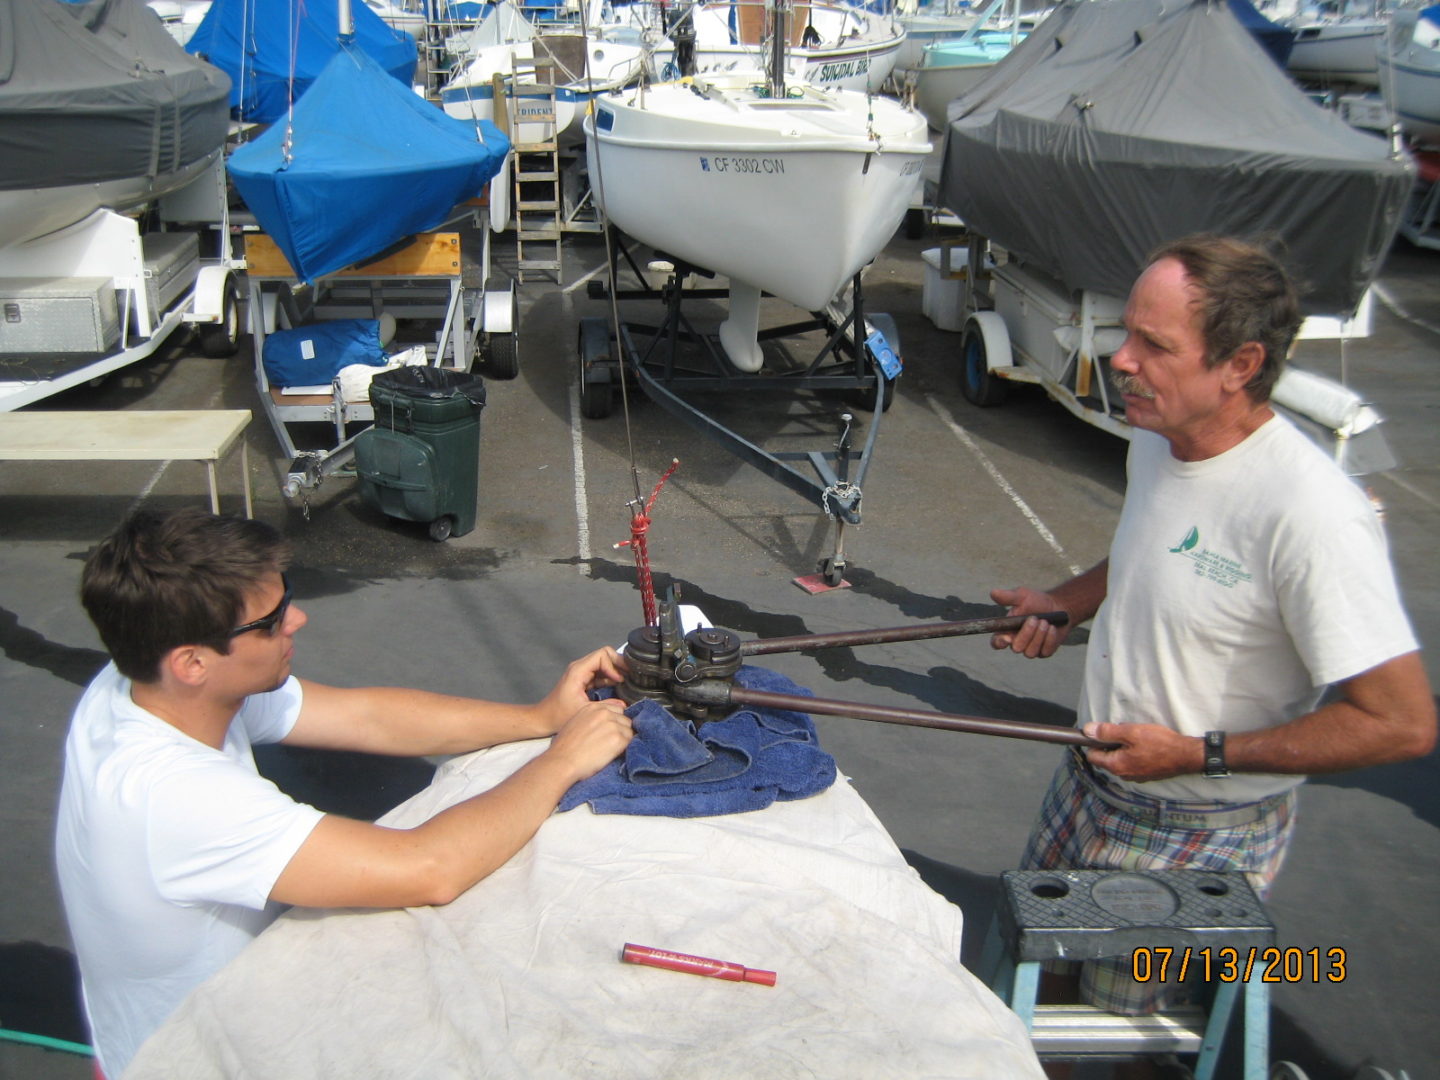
x=1129, y=384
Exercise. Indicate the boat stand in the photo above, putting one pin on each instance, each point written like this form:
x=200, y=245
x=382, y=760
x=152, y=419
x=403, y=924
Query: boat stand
x=673, y=358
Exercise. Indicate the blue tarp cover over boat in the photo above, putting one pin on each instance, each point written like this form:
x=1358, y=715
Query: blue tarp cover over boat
x=255, y=43
x=370, y=163
x=1119, y=125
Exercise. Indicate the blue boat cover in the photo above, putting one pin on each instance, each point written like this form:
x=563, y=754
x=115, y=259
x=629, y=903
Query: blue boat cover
x=250, y=40
x=370, y=163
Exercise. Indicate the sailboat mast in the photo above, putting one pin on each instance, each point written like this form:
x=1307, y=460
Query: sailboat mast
x=346, y=20
x=779, y=38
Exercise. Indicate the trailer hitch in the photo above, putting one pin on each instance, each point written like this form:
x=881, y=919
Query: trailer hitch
x=693, y=675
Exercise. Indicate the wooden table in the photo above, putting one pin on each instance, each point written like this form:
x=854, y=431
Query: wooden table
x=157, y=435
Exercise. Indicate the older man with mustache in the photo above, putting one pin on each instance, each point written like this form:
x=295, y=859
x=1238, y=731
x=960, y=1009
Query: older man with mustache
x=1247, y=575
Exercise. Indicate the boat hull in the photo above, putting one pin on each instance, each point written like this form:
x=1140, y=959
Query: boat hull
x=1410, y=76
x=937, y=87
x=1337, y=51
x=28, y=213
x=792, y=208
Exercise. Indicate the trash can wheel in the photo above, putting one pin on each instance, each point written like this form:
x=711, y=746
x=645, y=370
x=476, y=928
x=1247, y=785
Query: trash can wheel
x=441, y=528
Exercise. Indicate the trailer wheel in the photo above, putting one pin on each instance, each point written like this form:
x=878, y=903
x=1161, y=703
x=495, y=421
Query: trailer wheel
x=502, y=357
x=596, y=388
x=914, y=223
x=977, y=383
x=220, y=339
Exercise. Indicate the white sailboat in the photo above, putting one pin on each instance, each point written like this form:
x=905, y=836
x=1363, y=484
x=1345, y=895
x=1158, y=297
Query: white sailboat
x=1336, y=48
x=831, y=45
x=783, y=188
x=1410, y=73
x=529, y=63
x=952, y=68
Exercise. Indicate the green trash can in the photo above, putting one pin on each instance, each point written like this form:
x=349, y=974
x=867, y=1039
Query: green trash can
x=421, y=460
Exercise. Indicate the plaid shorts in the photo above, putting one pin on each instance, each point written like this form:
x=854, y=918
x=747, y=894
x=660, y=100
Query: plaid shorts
x=1079, y=831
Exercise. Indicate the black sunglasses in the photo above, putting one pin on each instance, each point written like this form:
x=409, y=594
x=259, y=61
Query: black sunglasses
x=268, y=623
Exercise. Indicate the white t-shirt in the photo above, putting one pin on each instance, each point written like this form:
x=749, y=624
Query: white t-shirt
x=167, y=850
x=1239, y=588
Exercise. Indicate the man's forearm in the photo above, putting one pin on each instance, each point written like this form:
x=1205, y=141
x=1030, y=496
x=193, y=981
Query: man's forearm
x=1386, y=715
x=404, y=722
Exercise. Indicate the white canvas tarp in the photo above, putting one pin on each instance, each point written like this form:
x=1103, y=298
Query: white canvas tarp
x=521, y=977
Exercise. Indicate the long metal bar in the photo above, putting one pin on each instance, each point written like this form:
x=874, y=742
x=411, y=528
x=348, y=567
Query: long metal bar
x=884, y=714
x=922, y=631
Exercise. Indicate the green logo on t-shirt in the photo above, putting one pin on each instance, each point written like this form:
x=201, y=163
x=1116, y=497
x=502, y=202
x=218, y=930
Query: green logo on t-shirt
x=1220, y=569
x=1191, y=539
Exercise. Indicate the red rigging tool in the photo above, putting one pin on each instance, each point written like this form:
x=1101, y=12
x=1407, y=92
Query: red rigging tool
x=693, y=675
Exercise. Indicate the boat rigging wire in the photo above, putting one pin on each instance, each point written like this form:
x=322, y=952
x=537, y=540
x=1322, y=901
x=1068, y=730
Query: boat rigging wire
x=598, y=180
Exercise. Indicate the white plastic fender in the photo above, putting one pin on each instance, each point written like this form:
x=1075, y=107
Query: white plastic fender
x=210, y=286
x=499, y=188
x=497, y=312
x=996, y=338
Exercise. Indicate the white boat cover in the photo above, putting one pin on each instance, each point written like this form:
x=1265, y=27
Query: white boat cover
x=521, y=976
x=1119, y=125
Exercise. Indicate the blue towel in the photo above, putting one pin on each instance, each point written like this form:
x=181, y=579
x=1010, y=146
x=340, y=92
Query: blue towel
x=746, y=761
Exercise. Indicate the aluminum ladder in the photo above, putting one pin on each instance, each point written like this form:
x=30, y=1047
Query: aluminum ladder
x=536, y=204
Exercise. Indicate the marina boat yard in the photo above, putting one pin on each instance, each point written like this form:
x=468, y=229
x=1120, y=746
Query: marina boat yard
x=962, y=500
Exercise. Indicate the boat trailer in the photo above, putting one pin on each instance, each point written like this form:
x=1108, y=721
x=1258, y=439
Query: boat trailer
x=671, y=359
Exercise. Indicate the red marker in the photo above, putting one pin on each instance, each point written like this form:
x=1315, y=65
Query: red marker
x=695, y=965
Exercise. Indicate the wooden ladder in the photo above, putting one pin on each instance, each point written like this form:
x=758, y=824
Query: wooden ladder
x=537, y=205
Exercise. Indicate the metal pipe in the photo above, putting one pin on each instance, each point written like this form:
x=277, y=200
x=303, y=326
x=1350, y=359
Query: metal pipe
x=846, y=638
x=884, y=714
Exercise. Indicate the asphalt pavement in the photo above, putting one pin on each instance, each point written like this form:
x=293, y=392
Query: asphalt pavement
x=957, y=500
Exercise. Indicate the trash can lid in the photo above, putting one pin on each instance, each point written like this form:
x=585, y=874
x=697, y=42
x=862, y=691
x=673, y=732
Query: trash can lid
x=435, y=383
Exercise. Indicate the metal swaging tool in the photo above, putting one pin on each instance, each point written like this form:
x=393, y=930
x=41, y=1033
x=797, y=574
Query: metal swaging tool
x=693, y=675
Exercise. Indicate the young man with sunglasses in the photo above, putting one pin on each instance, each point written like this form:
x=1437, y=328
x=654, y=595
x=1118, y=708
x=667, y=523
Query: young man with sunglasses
x=173, y=852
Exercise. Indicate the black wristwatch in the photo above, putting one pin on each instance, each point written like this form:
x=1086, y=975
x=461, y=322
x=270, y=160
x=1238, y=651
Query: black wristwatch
x=1215, y=766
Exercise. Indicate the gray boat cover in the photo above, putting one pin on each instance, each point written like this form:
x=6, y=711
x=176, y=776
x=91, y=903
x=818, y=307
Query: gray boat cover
x=1119, y=125
x=98, y=91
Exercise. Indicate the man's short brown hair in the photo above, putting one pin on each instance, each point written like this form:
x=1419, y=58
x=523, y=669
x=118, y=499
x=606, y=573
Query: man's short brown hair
x=1246, y=295
x=160, y=581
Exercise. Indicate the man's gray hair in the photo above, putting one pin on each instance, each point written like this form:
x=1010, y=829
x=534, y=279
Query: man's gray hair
x=1245, y=295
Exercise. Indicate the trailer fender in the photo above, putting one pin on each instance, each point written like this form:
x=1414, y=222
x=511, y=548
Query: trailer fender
x=498, y=308
x=991, y=328
x=211, y=285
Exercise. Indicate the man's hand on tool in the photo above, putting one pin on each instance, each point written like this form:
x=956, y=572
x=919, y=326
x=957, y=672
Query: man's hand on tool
x=1147, y=751
x=1037, y=638
x=603, y=667
x=593, y=737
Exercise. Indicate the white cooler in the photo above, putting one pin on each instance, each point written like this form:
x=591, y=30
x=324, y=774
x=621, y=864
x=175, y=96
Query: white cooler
x=943, y=297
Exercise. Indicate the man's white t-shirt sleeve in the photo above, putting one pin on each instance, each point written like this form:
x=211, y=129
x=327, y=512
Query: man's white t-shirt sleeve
x=268, y=718
x=1340, y=601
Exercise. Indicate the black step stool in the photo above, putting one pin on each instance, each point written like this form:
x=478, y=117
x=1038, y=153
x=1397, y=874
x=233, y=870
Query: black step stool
x=1095, y=914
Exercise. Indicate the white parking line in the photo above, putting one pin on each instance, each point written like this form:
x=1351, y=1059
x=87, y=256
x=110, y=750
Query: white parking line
x=1004, y=485
x=582, y=280
x=154, y=480
x=577, y=453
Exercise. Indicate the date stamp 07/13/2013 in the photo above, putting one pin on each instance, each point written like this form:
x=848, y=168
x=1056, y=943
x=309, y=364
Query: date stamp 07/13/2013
x=1163, y=963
